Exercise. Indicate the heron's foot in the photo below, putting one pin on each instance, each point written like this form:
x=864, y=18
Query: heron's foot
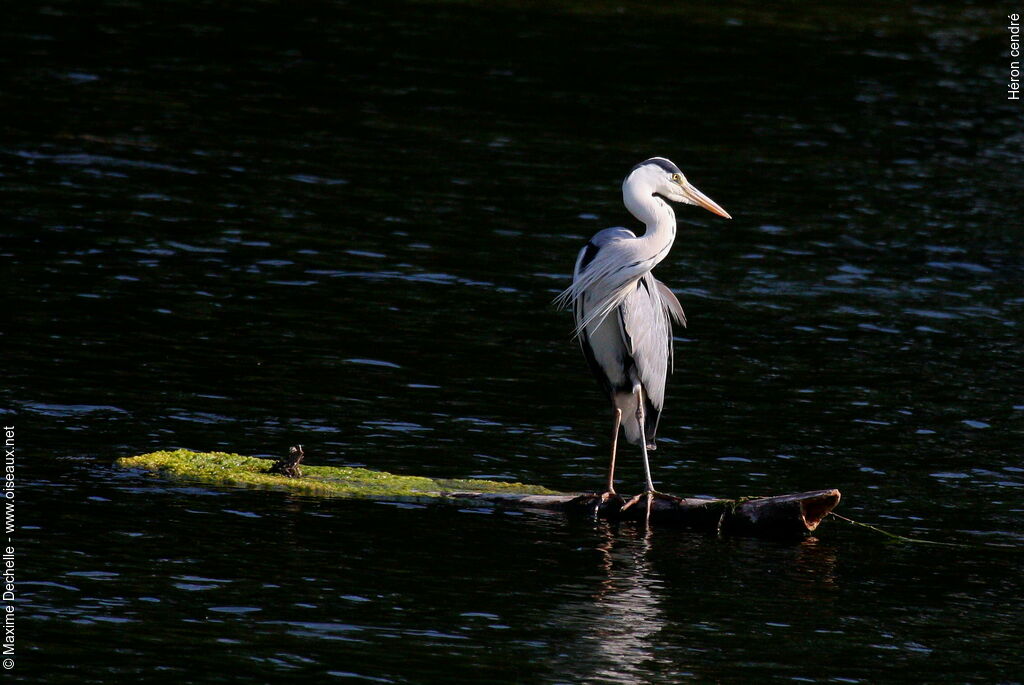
x=648, y=499
x=597, y=502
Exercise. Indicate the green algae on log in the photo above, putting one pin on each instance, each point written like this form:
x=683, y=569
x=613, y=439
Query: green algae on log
x=220, y=468
x=779, y=516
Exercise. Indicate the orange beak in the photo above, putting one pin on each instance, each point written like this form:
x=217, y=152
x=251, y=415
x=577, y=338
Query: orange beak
x=701, y=200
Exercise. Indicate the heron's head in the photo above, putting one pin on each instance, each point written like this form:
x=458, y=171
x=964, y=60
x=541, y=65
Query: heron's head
x=661, y=177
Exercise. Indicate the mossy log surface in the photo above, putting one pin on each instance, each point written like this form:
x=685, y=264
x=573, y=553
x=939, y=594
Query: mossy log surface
x=780, y=516
x=221, y=468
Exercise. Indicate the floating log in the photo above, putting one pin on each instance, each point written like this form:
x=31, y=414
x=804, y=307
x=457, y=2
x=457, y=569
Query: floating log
x=780, y=516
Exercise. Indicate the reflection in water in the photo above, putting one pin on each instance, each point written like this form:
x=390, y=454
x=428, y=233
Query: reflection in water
x=614, y=627
x=815, y=563
x=632, y=623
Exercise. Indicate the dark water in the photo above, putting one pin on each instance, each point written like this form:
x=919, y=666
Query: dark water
x=342, y=226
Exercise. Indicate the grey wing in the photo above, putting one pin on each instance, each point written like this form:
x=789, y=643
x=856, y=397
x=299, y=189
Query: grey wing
x=647, y=332
x=671, y=303
x=603, y=354
x=675, y=313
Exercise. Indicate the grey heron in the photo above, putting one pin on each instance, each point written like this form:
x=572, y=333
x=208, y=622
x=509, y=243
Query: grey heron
x=624, y=315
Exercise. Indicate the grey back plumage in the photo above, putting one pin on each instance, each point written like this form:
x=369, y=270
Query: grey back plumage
x=633, y=343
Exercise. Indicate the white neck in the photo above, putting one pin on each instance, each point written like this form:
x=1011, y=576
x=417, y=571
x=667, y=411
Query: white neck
x=656, y=215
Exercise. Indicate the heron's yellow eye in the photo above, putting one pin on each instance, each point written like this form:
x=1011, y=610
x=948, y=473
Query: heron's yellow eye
x=676, y=178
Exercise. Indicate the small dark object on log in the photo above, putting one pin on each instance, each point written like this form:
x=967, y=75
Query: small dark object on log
x=289, y=466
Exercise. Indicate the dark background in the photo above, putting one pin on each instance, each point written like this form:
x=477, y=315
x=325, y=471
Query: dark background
x=244, y=226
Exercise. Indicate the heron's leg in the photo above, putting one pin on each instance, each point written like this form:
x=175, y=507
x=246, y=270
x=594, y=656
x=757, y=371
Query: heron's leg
x=640, y=417
x=649, y=493
x=597, y=502
x=615, y=448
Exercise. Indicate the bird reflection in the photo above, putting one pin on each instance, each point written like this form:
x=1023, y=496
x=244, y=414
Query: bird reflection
x=630, y=623
x=615, y=625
